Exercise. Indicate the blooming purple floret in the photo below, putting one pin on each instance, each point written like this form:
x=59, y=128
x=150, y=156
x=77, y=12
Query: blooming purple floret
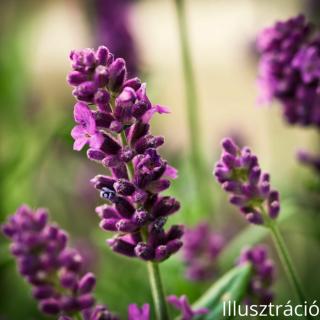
x=309, y=159
x=201, y=249
x=239, y=173
x=112, y=116
x=289, y=70
x=135, y=313
x=182, y=304
x=44, y=260
x=263, y=270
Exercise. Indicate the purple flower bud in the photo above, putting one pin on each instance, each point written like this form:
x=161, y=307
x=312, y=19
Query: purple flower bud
x=140, y=217
x=95, y=155
x=124, y=207
x=68, y=279
x=117, y=74
x=85, y=301
x=127, y=97
x=75, y=78
x=134, y=83
x=42, y=292
x=124, y=187
x=229, y=146
x=144, y=251
x=102, y=55
x=101, y=76
x=122, y=247
x=50, y=306
x=102, y=99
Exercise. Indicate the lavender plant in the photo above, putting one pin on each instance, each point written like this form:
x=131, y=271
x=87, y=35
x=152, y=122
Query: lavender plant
x=118, y=135
x=115, y=31
x=259, y=290
x=239, y=173
x=52, y=268
x=201, y=250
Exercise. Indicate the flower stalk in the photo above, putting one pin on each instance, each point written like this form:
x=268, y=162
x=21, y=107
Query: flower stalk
x=192, y=104
x=157, y=291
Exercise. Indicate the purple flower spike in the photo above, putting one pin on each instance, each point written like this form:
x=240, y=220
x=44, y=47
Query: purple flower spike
x=289, y=70
x=135, y=313
x=182, y=304
x=42, y=254
x=259, y=290
x=239, y=173
x=200, y=252
x=116, y=128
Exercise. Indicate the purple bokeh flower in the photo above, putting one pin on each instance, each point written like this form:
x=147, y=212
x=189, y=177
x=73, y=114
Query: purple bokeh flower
x=289, y=70
x=135, y=313
x=182, y=304
x=239, y=173
x=310, y=160
x=114, y=30
x=116, y=127
x=44, y=260
x=263, y=271
x=201, y=249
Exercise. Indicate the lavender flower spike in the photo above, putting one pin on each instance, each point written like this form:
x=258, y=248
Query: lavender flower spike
x=259, y=291
x=289, y=69
x=112, y=117
x=44, y=260
x=183, y=305
x=200, y=252
x=239, y=173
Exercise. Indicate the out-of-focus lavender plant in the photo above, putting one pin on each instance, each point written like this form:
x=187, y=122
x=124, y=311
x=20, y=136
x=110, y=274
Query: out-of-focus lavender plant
x=200, y=251
x=240, y=175
x=114, y=30
x=118, y=134
x=44, y=260
x=289, y=69
x=259, y=290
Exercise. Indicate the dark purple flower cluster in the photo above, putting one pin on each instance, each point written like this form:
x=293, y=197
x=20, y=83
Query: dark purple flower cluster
x=115, y=31
x=182, y=304
x=118, y=135
x=239, y=173
x=259, y=291
x=310, y=160
x=201, y=249
x=44, y=260
x=289, y=70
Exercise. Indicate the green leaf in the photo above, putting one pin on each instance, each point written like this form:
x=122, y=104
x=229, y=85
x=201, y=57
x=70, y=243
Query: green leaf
x=232, y=286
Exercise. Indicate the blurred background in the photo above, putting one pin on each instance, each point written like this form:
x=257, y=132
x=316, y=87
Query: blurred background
x=39, y=167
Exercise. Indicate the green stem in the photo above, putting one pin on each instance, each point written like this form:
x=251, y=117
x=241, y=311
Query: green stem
x=124, y=142
x=157, y=291
x=78, y=316
x=287, y=262
x=200, y=176
x=285, y=258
